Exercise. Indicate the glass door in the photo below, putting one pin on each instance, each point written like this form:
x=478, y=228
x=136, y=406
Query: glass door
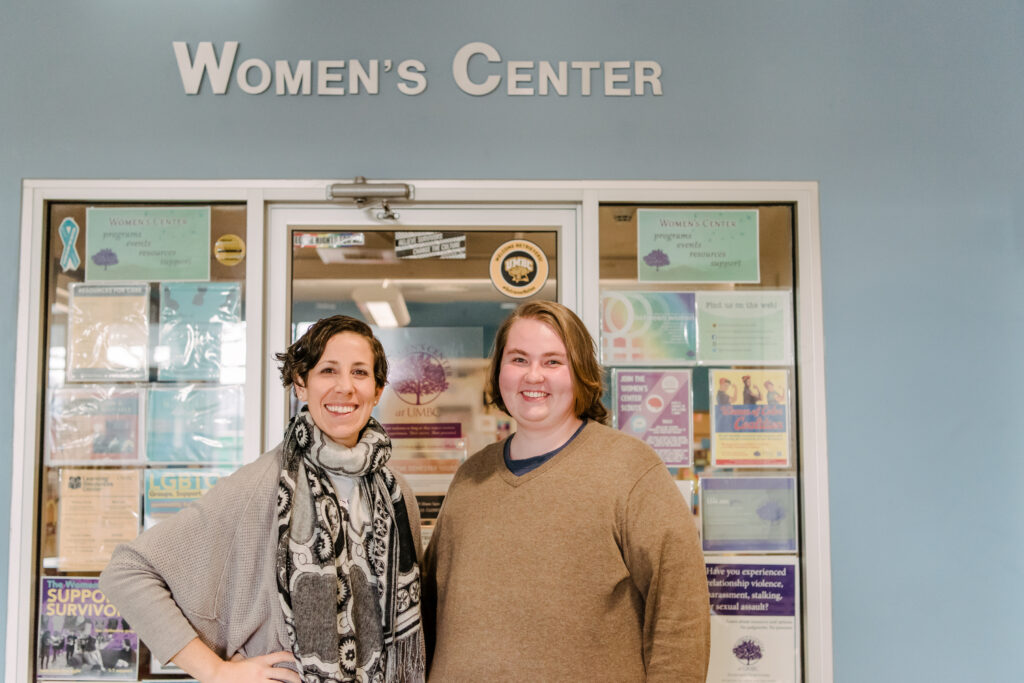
x=435, y=284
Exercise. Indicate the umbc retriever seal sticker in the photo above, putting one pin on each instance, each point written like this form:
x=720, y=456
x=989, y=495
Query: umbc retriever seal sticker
x=519, y=269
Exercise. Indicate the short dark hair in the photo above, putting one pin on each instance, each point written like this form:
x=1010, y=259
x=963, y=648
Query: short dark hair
x=587, y=374
x=304, y=354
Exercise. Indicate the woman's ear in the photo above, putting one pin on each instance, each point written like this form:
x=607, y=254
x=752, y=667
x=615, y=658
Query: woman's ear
x=300, y=389
x=380, y=390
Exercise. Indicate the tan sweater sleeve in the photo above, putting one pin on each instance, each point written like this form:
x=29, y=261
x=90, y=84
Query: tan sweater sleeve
x=136, y=582
x=167, y=582
x=664, y=557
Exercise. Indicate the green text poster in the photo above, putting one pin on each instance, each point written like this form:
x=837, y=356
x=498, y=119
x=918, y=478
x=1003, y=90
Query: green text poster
x=697, y=246
x=147, y=245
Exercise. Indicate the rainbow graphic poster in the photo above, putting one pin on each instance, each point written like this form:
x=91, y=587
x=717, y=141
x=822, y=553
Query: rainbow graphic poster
x=648, y=328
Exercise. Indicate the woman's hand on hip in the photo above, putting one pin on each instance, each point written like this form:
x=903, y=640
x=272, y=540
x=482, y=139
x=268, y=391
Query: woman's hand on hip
x=260, y=668
x=205, y=666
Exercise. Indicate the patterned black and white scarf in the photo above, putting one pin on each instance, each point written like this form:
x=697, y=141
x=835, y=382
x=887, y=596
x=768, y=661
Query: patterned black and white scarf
x=346, y=571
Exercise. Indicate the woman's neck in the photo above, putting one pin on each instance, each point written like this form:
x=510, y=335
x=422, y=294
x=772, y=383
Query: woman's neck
x=529, y=443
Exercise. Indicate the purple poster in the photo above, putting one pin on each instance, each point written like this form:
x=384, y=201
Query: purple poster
x=81, y=635
x=655, y=407
x=762, y=589
x=755, y=613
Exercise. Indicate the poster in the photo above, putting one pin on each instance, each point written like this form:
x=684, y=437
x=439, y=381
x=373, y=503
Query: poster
x=676, y=245
x=200, y=330
x=194, y=424
x=97, y=510
x=755, y=635
x=750, y=425
x=748, y=514
x=433, y=401
x=150, y=244
x=655, y=407
x=94, y=425
x=81, y=634
x=108, y=332
x=648, y=328
x=746, y=327
x=167, y=491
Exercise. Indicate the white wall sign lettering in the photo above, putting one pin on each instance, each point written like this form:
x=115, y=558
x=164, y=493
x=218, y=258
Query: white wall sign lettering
x=477, y=68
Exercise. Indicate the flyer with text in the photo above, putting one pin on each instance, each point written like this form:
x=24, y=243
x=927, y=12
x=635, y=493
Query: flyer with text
x=168, y=491
x=94, y=425
x=98, y=509
x=432, y=404
x=745, y=327
x=147, y=244
x=755, y=607
x=200, y=330
x=108, y=332
x=750, y=421
x=655, y=407
x=81, y=634
x=698, y=245
x=744, y=514
x=195, y=424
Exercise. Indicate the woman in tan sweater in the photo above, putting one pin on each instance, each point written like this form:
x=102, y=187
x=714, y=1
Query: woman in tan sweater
x=565, y=552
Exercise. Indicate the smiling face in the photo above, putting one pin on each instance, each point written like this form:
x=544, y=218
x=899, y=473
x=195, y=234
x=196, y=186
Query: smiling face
x=340, y=389
x=535, y=379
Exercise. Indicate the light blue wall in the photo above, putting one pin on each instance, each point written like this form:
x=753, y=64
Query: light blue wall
x=910, y=114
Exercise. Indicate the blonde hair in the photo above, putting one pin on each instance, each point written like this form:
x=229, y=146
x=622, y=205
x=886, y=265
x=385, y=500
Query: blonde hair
x=587, y=374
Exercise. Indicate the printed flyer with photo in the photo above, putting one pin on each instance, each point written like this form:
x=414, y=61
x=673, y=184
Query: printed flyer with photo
x=698, y=245
x=81, y=634
x=648, y=328
x=748, y=514
x=98, y=509
x=755, y=633
x=750, y=422
x=94, y=425
x=655, y=407
x=108, y=332
x=745, y=327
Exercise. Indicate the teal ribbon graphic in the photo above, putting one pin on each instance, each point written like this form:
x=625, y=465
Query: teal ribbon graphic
x=68, y=235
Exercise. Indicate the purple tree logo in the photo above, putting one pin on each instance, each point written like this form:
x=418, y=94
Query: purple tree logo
x=748, y=650
x=656, y=259
x=419, y=378
x=105, y=258
x=771, y=511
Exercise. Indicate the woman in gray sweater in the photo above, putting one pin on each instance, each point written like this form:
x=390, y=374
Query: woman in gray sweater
x=303, y=565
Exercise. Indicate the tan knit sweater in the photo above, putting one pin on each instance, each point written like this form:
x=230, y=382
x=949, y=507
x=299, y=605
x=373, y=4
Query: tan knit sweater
x=585, y=569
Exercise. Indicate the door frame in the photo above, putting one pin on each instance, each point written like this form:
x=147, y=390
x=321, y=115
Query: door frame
x=562, y=219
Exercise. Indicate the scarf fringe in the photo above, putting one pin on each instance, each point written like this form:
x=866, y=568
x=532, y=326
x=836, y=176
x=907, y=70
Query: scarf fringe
x=407, y=661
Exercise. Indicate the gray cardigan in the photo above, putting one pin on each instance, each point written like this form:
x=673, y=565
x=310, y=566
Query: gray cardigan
x=208, y=571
